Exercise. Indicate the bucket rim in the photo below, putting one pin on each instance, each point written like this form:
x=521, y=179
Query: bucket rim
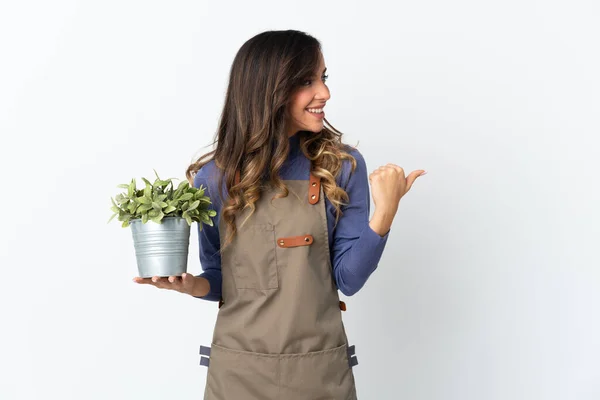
x=138, y=220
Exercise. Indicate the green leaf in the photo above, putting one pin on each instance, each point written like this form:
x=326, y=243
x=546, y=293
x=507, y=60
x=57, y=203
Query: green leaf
x=131, y=188
x=112, y=217
x=212, y=213
x=186, y=197
x=123, y=186
x=189, y=220
x=194, y=205
x=199, y=194
x=169, y=209
x=131, y=207
x=148, y=190
x=144, y=207
x=183, y=185
x=158, y=218
x=145, y=200
x=156, y=206
x=144, y=218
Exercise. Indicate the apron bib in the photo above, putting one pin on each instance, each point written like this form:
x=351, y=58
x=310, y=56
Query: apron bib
x=279, y=332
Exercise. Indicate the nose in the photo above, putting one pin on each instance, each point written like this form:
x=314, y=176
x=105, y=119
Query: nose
x=323, y=93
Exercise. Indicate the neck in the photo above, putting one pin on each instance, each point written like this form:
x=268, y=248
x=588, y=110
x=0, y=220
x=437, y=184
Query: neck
x=292, y=131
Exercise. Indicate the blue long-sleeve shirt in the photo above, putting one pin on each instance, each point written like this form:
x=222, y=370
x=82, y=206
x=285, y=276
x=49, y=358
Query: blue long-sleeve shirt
x=354, y=247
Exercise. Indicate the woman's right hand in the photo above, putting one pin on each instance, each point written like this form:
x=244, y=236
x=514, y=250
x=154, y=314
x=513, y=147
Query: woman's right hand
x=186, y=283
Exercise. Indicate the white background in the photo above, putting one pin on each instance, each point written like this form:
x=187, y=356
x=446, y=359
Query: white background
x=490, y=284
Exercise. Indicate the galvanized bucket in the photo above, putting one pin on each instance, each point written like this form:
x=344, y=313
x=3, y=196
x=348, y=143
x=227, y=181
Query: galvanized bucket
x=161, y=249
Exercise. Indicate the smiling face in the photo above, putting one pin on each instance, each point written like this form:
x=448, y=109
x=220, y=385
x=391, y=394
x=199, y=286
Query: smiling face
x=305, y=111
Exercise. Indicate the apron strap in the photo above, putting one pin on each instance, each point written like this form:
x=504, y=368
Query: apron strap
x=295, y=241
x=314, y=189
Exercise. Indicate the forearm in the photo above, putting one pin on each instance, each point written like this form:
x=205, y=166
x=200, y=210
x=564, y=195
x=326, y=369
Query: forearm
x=353, y=266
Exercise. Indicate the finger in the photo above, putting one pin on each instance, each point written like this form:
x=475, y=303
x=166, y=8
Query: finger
x=187, y=279
x=380, y=170
x=176, y=283
x=138, y=279
x=412, y=177
x=394, y=166
x=399, y=170
x=160, y=282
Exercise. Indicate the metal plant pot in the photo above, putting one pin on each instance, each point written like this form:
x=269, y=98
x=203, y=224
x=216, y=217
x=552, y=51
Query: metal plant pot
x=161, y=249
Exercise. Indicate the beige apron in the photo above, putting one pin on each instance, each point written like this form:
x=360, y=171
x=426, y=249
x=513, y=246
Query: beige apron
x=279, y=331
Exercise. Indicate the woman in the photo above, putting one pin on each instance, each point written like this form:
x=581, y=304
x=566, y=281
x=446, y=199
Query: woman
x=293, y=227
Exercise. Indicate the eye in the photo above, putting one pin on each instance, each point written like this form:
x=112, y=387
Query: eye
x=309, y=81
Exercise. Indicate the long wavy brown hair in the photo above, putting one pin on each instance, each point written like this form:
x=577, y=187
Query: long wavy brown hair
x=252, y=135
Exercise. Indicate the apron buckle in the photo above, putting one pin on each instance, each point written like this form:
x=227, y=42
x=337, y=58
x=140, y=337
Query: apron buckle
x=204, y=351
x=352, y=360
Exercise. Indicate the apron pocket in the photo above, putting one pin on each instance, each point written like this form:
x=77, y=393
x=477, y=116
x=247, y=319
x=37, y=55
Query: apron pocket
x=254, y=261
x=320, y=375
x=242, y=375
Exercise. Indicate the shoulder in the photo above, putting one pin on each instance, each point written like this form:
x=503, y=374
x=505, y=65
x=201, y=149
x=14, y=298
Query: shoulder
x=208, y=173
x=208, y=177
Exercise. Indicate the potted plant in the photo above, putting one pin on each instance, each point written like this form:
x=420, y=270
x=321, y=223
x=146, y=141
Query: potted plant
x=160, y=217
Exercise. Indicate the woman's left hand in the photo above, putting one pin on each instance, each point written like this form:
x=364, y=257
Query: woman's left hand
x=388, y=186
x=186, y=283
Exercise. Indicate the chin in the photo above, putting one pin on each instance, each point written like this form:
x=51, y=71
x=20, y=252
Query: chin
x=315, y=128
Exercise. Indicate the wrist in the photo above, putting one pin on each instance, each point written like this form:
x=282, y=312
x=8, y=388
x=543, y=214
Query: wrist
x=201, y=287
x=381, y=221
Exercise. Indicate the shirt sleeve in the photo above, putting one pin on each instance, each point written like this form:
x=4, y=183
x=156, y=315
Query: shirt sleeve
x=208, y=237
x=356, y=249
